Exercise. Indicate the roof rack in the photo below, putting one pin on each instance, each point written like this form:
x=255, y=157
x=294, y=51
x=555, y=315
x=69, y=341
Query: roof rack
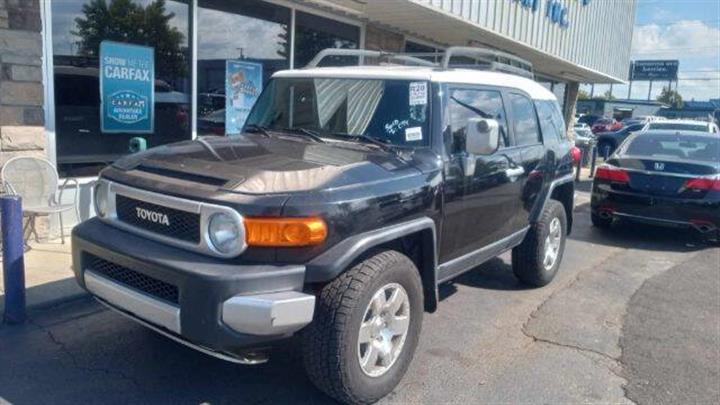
x=488, y=59
x=361, y=54
x=479, y=58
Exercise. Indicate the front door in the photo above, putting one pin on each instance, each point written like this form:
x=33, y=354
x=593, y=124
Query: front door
x=480, y=206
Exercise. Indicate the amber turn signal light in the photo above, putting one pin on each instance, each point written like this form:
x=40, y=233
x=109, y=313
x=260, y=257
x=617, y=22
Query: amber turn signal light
x=283, y=232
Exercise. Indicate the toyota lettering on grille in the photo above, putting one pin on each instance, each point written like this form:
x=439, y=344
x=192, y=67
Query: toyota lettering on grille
x=152, y=216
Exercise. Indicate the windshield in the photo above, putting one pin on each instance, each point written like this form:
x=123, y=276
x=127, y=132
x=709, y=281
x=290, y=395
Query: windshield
x=391, y=111
x=703, y=148
x=678, y=126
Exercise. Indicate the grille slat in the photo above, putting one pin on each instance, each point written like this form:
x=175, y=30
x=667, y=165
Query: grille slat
x=132, y=279
x=181, y=225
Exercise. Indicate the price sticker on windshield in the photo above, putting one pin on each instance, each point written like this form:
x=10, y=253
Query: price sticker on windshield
x=418, y=93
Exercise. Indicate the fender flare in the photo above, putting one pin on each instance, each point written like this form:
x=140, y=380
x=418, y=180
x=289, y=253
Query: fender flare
x=334, y=261
x=542, y=201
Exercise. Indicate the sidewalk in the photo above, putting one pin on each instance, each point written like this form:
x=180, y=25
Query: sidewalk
x=48, y=275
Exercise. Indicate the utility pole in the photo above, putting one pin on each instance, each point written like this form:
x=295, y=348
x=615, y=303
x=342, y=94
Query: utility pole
x=650, y=90
x=629, y=89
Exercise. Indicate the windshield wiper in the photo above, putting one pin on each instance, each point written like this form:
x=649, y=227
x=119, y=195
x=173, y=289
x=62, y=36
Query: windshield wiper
x=367, y=139
x=314, y=135
x=254, y=128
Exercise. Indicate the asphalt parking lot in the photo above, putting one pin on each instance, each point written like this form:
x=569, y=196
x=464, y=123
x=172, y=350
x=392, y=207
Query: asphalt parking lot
x=633, y=317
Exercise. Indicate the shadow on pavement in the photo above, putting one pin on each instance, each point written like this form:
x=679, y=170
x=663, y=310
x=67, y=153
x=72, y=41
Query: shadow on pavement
x=83, y=353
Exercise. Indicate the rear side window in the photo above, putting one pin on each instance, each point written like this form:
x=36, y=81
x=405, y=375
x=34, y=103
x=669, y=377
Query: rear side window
x=526, y=126
x=552, y=123
x=472, y=103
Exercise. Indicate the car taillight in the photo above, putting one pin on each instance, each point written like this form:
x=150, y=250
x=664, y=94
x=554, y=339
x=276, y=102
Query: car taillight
x=612, y=173
x=703, y=183
x=576, y=154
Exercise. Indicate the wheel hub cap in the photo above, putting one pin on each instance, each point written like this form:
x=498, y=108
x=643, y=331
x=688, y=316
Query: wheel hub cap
x=383, y=329
x=552, y=244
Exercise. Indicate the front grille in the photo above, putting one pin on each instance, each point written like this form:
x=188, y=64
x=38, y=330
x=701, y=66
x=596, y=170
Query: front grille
x=132, y=279
x=181, y=225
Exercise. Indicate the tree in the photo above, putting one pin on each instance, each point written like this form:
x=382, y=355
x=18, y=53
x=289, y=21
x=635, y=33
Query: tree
x=126, y=21
x=608, y=95
x=671, y=97
x=583, y=95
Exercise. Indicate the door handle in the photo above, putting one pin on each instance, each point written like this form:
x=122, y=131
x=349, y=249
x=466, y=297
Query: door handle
x=514, y=172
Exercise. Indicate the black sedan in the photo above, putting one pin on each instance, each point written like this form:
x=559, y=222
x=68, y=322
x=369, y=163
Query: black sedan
x=666, y=178
x=607, y=142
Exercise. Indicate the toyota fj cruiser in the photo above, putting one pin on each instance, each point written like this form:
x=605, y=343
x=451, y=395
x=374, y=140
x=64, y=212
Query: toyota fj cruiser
x=352, y=193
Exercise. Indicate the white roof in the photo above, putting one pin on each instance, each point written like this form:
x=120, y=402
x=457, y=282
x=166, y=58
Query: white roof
x=460, y=76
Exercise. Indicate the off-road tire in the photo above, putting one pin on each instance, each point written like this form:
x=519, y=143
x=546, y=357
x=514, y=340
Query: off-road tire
x=329, y=343
x=527, y=258
x=600, y=222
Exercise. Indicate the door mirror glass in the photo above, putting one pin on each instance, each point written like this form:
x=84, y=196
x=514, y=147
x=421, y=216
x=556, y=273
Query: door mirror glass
x=482, y=136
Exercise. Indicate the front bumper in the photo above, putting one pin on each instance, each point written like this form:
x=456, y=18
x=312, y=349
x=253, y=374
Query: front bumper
x=212, y=304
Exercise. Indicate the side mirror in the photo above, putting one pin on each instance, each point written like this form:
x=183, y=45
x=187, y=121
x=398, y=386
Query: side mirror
x=482, y=136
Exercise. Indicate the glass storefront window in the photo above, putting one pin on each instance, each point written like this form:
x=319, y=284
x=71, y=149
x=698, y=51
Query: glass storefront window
x=79, y=26
x=248, y=30
x=414, y=47
x=314, y=33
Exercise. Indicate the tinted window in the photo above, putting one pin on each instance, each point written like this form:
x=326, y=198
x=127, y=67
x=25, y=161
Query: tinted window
x=467, y=104
x=526, y=126
x=78, y=28
x=673, y=146
x=679, y=127
x=231, y=31
x=551, y=121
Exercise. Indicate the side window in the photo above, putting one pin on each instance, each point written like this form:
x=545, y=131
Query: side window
x=551, y=122
x=526, y=127
x=465, y=104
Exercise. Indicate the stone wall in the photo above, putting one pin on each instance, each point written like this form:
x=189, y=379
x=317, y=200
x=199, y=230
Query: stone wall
x=22, y=131
x=21, y=89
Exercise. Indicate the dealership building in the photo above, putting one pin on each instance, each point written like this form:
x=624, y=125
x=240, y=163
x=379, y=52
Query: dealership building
x=53, y=74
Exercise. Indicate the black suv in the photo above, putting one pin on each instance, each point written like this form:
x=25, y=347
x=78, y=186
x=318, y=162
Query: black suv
x=351, y=195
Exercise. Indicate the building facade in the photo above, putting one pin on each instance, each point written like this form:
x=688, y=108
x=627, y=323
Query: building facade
x=53, y=64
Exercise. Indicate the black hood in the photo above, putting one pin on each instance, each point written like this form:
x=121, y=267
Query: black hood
x=255, y=164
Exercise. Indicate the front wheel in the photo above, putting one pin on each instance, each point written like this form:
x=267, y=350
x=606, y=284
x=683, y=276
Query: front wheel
x=537, y=259
x=366, y=329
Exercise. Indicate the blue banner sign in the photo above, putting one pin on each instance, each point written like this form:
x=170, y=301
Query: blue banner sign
x=243, y=84
x=127, y=88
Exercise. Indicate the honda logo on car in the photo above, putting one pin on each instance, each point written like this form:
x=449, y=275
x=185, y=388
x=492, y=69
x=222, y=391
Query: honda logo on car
x=659, y=166
x=152, y=216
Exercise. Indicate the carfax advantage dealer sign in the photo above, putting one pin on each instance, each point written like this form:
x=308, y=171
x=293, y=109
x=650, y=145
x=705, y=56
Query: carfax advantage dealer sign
x=127, y=88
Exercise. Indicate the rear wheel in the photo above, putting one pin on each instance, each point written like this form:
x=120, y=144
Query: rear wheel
x=537, y=259
x=366, y=328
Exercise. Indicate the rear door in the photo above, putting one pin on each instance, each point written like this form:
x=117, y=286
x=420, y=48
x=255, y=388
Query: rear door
x=531, y=154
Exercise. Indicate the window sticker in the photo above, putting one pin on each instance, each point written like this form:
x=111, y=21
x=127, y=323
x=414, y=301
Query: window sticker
x=418, y=93
x=395, y=126
x=413, y=134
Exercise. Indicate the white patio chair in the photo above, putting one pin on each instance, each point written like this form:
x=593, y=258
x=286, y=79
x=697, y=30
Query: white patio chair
x=36, y=181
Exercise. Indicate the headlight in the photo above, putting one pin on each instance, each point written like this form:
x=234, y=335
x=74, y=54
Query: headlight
x=101, y=199
x=224, y=233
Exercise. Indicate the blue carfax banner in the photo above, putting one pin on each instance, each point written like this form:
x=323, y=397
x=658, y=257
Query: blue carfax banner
x=127, y=87
x=243, y=84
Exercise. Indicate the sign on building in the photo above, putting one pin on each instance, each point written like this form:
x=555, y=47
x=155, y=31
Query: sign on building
x=243, y=84
x=662, y=70
x=127, y=87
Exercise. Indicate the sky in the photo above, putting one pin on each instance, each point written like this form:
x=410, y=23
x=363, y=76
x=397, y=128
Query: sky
x=687, y=30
